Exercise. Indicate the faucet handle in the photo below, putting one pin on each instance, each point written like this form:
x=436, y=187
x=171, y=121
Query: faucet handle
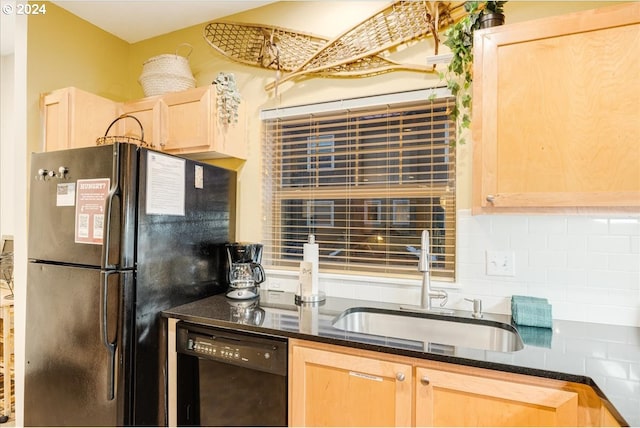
x=477, y=307
x=445, y=298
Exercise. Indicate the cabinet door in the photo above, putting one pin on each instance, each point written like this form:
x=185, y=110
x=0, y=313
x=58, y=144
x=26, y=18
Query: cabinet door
x=56, y=120
x=186, y=120
x=328, y=388
x=453, y=399
x=555, y=112
x=607, y=419
x=189, y=125
x=74, y=118
x=147, y=111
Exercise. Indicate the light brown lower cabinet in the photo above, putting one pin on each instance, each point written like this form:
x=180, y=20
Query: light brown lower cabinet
x=329, y=388
x=453, y=399
x=333, y=385
x=607, y=418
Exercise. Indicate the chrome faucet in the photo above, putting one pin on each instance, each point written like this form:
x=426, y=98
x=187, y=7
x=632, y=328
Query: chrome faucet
x=423, y=266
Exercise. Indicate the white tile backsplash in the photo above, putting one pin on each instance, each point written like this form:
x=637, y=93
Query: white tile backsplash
x=588, y=266
x=616, y=244
x=624, y=262
x=624, y=226
x=585, y=225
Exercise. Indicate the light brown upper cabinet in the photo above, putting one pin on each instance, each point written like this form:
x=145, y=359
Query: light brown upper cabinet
x=187, y=124
x=147, y=111
x=556, y=113
x=74, y=118
x=181, y=123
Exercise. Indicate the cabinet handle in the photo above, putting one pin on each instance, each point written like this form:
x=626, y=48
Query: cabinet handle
x=400, y=376
x=491, y=198
x=424, y=380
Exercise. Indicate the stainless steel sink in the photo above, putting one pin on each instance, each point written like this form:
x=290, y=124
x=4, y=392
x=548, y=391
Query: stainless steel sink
x=431, y=329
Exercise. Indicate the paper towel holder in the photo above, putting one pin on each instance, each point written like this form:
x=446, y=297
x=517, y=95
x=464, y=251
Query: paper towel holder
x=320, y=297
x=311, y=301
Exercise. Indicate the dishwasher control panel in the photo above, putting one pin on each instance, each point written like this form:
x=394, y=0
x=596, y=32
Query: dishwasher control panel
x=251, y=351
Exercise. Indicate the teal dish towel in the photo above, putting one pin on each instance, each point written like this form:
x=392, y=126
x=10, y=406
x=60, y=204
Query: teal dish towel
x=531, y=311
x=536, y=336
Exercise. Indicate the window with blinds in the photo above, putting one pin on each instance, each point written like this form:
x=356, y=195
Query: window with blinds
x=365, y=181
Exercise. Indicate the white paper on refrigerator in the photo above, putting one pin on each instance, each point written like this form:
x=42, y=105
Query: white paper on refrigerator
x=165, y=185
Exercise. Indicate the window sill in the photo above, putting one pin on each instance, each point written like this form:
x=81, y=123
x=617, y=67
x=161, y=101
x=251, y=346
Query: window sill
x=287, y=280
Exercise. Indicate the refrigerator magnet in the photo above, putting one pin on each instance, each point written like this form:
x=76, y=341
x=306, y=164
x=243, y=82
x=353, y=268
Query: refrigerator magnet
x=66, y=195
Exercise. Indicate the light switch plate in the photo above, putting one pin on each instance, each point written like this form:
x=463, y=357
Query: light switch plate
x=500, y=263
x=198, y=177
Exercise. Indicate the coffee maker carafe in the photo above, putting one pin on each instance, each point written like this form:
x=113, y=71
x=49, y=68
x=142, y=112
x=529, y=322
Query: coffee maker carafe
x=245, y=271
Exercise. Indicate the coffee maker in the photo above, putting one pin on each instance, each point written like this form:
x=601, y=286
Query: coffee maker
x=245, y=271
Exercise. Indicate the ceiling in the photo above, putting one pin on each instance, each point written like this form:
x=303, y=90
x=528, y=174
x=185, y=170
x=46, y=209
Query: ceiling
x=136, y=20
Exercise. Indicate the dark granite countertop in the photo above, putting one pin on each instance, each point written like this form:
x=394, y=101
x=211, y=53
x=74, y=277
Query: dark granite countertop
x=605, y=357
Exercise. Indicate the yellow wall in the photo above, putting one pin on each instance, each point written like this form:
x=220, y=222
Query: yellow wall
x=93, y=60
x=206, y=63
x=64, y=50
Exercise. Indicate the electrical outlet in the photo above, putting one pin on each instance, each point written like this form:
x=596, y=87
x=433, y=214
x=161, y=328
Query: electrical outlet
x=500, y=263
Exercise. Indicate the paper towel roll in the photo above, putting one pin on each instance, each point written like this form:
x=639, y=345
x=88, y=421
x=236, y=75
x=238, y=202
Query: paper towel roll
x=311, y=254
x=304, y=286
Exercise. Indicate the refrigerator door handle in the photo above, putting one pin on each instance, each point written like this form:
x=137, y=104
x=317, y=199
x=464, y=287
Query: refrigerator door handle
x=114, y=192
x=108, y=343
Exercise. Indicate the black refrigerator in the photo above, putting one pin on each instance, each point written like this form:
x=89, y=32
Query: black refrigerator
x=117, y=233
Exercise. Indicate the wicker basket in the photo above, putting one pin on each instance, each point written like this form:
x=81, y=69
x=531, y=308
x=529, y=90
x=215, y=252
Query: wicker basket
x=167, y=73
x=112, y=139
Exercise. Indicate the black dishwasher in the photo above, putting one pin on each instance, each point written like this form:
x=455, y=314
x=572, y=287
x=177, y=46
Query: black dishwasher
x=230, y=378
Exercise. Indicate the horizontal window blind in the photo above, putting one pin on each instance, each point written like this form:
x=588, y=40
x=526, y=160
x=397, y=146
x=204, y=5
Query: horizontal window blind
x=365, y=181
